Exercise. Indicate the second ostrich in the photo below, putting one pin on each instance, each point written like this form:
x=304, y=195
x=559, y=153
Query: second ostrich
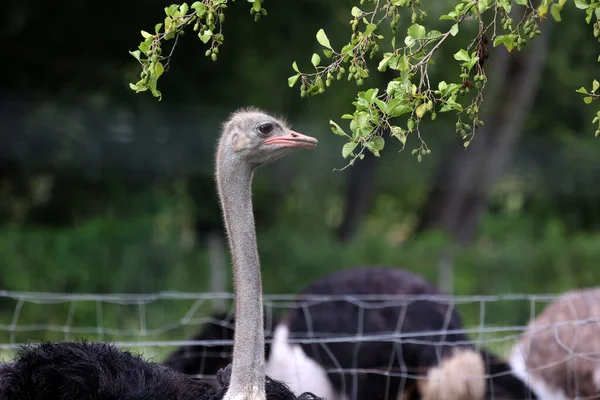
x=559, y=353
x=84, y=371
x=431, y=359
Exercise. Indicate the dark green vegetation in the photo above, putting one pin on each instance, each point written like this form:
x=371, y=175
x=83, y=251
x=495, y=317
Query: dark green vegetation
x=105, y=191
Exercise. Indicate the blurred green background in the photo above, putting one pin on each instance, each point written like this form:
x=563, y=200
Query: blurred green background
x=106, y=191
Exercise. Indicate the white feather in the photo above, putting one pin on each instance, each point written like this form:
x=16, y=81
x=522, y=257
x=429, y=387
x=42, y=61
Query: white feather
x=540, y=388
x=290, y=364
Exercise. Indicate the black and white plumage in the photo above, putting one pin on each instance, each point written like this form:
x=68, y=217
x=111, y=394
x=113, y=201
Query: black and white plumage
x=441, y=354
x=84, y=371
x=94, y=371
x=206, y=360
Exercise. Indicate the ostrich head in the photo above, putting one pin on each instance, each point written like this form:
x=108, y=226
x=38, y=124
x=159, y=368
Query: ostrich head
x=256, y=138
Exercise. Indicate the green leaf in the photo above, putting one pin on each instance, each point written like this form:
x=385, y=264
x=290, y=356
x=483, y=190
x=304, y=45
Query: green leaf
x=521, y=2
x=383, y=64
x=378, y=143
x=582, y=90
x=157, y=27
x=416, y=31
x=369, y=29
x=184, y=8
x=315, y=60
x=145, y=46
x=456, y=106
x=356, y=12
x=393, y=87
x=335, y=128
x=145, y=34
x=295, y=67
x=199, y=7
x=472, y=62
x=581, y=4
x=347, y=116
x=499, y=40
x=397, y=107
x=421, y=110
x=433, y=34
x=409, y=41
x=507, y=40
x=171, y=9
x=256, y=6
x=205, y=36
x=462, y=55
x=136, y=54
x=454, y=30
x=394, y=62
x=447, y=17
x=159, y=69
x=347, y=49
x=595, y=85
x=398, y=133
x=363, y=120
x=327, y=53
x=555, y=12
x=587, y=100
x=507, y=6
x=293, y=79
x=323, y=39
x=348, y=149
x=380, y=103
x=370, y=94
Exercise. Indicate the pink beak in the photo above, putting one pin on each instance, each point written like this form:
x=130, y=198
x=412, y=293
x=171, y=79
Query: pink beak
x=293, y=139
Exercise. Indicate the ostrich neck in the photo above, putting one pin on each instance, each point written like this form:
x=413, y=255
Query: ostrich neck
x=234, y=181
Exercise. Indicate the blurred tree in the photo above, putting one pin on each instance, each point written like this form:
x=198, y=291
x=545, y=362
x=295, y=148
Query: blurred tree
x=459, y=194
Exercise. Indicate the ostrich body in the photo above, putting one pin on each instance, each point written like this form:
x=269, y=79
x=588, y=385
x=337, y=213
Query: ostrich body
x=204, y=361
x=451, y=366
x=94, y=371
x=559, y=353
x=84, y=371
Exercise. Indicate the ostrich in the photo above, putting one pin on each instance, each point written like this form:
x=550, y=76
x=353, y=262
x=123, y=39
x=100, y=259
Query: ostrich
x=100, y=371
x=203, y=360
x=85, y=371
x=559, y=353
x=451, y=366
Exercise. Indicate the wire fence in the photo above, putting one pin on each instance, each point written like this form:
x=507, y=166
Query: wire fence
x=157, y=324
x=194, y=311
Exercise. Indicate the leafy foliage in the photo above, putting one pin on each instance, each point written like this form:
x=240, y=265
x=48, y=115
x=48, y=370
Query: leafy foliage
x=408, y=98
x=207, y=17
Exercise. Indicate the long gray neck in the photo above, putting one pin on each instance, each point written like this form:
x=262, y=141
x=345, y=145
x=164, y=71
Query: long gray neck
x=234, y=180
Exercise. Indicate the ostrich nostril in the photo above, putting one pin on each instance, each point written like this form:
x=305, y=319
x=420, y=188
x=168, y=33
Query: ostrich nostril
x=294, y=134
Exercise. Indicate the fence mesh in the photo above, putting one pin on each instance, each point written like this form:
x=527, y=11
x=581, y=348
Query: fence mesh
x=156, y=324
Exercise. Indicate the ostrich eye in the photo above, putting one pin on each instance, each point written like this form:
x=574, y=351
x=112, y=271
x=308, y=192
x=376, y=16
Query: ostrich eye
x=265, y=129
